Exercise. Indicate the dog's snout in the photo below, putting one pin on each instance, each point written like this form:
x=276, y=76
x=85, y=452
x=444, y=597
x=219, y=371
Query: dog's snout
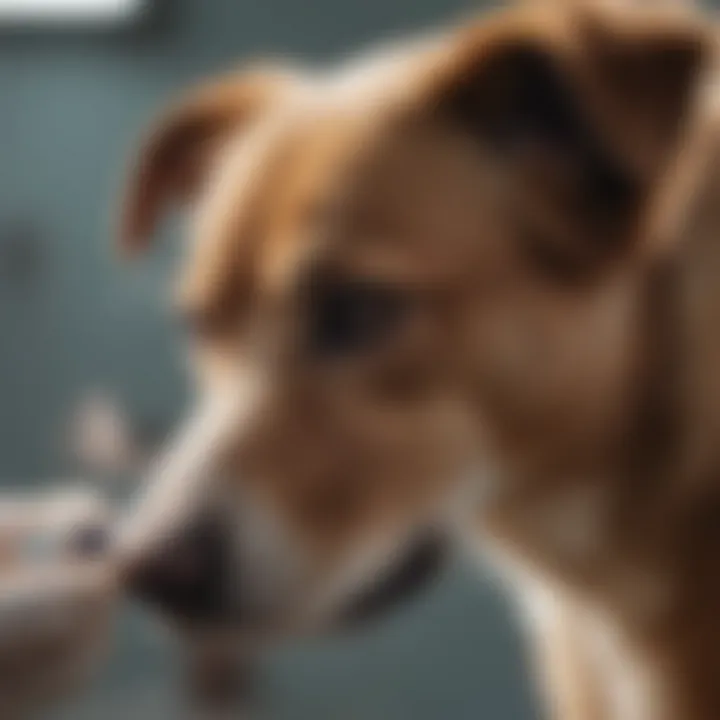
x=186, y=577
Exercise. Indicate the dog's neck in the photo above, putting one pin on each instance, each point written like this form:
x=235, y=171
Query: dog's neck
x=639, y=541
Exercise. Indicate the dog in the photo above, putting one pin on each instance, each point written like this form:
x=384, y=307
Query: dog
x=462, y=287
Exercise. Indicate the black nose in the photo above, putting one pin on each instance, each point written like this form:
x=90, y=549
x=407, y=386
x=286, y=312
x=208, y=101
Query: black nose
x=187, y=576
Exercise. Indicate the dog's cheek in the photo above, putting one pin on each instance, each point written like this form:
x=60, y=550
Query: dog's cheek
x=334, y=476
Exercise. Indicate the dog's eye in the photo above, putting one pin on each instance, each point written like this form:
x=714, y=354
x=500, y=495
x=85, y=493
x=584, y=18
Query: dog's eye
x=350, y=316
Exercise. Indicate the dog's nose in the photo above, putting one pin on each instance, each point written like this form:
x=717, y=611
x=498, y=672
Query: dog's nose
x=186, y=577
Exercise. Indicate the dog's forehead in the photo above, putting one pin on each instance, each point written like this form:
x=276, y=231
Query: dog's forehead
x=265, y=188
x=346, y=164
x=275, y=180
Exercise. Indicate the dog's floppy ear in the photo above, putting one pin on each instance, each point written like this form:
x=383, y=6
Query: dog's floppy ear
x=582, y=109
x=175, y=157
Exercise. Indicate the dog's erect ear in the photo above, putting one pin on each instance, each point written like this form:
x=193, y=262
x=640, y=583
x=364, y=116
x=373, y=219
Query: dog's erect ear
x=176, y=156
x=582, y=108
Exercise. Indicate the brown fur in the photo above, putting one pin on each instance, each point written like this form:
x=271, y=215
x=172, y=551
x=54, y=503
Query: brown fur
x=557, y=327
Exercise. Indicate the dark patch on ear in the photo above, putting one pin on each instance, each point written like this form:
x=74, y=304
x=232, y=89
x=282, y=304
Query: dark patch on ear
x=662, y=71
x=514, y=97
x=521, y=104
x=649, y=72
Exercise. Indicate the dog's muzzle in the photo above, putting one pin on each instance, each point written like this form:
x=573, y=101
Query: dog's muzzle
x=193, y=579
x=183, y=555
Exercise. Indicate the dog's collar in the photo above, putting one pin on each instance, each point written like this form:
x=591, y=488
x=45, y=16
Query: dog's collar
x=413, y=571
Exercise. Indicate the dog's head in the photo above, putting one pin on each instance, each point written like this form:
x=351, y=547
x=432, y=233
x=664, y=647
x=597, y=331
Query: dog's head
x=404, y=275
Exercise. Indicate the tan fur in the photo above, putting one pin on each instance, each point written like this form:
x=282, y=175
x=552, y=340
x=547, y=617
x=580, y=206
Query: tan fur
x=561, y=348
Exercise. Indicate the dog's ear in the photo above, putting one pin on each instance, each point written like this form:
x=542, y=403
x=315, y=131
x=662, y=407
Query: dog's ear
x=175, y=158
x=581, y=108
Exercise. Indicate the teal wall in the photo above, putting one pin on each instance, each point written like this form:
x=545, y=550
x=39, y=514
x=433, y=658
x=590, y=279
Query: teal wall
x=71, y=104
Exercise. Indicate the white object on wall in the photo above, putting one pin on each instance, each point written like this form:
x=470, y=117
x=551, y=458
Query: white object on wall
x=69, y=10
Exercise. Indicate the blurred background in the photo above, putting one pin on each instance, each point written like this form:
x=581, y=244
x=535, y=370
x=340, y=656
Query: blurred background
x=77, y=326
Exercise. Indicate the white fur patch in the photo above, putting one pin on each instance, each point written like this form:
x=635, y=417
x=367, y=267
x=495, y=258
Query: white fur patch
x=634, y=692
x=271, y=559
x=626, y=681
x=185, y=475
